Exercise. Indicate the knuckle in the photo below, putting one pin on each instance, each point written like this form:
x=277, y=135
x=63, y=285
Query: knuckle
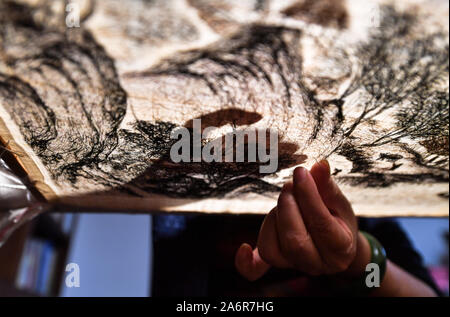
x=348, y=248
x=296, y=244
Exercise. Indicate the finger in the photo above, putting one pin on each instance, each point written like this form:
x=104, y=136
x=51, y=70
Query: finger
x=268, y=243
x=249, y=264
x=331, y=194
x=325, y=230
x=295, y=241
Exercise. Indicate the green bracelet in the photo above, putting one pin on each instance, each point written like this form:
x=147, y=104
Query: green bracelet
x=378, y=254
x=360, y=286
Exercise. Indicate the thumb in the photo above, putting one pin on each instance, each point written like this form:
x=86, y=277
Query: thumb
x=249, y=264
x=329, y=191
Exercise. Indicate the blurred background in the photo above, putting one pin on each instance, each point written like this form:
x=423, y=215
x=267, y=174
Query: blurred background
x=114, y=254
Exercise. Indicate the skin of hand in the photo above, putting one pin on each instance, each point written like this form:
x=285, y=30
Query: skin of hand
x=312, y=229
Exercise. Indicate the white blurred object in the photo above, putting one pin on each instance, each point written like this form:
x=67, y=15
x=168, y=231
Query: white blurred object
x=13, y=193
x=17, y=204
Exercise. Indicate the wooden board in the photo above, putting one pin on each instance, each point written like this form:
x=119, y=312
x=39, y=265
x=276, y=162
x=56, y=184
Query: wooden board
x=88, y=111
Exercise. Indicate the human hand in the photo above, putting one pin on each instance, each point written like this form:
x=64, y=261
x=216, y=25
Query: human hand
x=312, y=229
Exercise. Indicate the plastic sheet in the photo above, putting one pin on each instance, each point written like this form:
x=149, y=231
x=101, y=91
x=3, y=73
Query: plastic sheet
x=17, y=204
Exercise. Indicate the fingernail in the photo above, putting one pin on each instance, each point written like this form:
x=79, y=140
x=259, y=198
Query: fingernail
x=326, y=164
x=299, y=174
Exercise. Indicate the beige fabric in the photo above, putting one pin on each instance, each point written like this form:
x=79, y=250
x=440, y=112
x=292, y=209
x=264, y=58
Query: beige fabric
x=88, y=111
